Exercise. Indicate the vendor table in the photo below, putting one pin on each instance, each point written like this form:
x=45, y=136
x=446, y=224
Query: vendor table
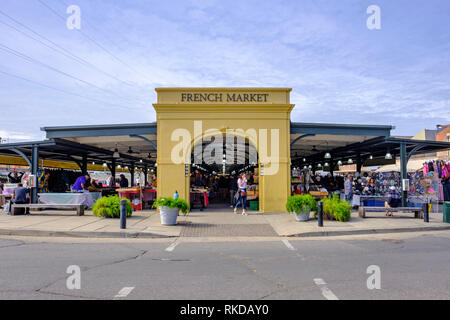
x=96, y=195
x=252, y=195
x=319, y=195
x=358, y=200
x=199, y=197
x=134, y=195
x=84, y=198
x=4, y=198
x=148, y=195
x=108, y=192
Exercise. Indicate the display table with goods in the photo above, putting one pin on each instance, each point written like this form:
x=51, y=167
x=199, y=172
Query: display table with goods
x=199, y=196
x=148, y=195
x=84, y=198
x=8, y=190
x=134, y=194
x=109, y=192
x=369, y=200
x=318, y=195
x=4, y=198
x=252, y=192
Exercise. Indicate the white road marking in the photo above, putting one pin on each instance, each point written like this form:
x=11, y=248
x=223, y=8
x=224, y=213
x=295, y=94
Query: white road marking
x=172, y=246
x=327, y=293
x=288, y=244
x=124, y=292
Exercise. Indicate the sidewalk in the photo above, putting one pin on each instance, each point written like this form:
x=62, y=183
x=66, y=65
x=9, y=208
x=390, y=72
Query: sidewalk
x=208, y=223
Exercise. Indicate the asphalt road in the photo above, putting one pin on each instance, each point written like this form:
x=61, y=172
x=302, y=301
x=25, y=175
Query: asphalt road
x=415, y=267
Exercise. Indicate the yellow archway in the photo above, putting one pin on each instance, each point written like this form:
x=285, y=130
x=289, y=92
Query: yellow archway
x=262, y=115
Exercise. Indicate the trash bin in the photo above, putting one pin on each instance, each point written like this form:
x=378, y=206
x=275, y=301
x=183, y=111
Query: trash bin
x=254, y=205
x=446, y=210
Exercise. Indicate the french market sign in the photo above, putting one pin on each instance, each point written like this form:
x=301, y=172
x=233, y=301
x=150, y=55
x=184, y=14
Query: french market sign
x=221, y=97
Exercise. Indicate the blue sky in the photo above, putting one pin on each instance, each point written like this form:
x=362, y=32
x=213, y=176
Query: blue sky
x=340, y=71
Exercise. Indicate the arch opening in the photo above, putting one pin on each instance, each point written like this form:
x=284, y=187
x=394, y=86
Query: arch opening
x=215, y=165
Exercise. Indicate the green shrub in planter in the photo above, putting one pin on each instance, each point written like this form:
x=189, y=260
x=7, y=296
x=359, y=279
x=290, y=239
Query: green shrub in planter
x=342, y=211
x=109, y=207
x=300, y=202
x=336, y=209
x=172, y=203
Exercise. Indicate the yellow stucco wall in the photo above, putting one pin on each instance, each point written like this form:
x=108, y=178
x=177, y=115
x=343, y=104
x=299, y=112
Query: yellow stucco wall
x=258, y=109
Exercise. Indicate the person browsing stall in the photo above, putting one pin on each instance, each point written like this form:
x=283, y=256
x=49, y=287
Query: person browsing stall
x=82, y=183
x=123, y=181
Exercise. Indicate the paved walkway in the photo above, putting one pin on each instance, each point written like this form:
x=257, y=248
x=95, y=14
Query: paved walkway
x=209, y=223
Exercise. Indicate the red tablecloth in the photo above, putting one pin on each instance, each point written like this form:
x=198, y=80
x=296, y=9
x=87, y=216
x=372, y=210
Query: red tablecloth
x=149, y=195
x=132, y=195
x=205, y=197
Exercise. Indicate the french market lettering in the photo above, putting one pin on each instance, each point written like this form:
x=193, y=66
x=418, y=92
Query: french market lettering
x=224, y=97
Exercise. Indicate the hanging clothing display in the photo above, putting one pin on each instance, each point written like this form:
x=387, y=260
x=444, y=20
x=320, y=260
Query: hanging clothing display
x=433, y=180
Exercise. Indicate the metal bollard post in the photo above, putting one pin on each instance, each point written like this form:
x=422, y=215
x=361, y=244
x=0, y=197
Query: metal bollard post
x=123, y=214
x=425, y=212
x=320, y=214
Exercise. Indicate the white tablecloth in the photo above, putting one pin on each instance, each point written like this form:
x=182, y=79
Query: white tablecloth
x=67, y=198
x=356, y=201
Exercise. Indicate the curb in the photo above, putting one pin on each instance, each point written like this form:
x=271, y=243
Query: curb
x=147, y=235
x=367, y=231
x=83, y=234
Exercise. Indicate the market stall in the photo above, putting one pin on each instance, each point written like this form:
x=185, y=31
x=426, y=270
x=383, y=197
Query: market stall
x=199, y=197
x=135, y=195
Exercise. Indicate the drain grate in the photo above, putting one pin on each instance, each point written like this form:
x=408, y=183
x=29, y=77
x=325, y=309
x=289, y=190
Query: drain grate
x=228, y=230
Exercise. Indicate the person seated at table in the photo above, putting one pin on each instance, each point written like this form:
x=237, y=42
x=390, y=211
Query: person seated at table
x=20, y=195
x=297, y=189
x=82, y=183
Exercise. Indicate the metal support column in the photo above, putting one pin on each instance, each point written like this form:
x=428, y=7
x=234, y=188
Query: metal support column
x=403, y=172
x=358, y=163
x=145, y=175
x=84, y=165
x=34, y=170
x=112, y=169
x=332, y=164
x=132, y=175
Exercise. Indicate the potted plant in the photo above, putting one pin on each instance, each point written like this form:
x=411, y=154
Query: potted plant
x=336, y=209
x=109, y=207
x=301, y=205
x=169, y=209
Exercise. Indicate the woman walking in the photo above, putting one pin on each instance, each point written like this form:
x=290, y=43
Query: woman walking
x=242, y=187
